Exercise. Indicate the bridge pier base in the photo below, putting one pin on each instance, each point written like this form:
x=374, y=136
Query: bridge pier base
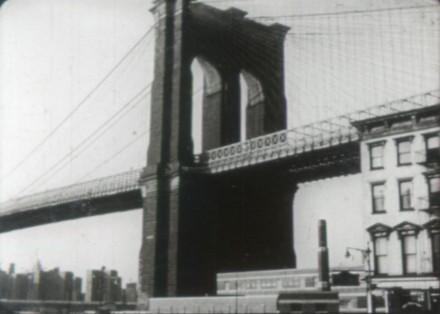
x=178, y=237
x=197, y=225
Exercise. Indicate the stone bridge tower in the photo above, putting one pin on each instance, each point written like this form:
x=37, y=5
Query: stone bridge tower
x=196, y=224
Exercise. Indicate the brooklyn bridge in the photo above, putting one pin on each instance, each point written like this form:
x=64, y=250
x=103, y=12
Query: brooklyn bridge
x=241, y=110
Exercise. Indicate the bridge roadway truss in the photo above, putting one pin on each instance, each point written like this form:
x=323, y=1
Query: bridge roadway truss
x=122, y=191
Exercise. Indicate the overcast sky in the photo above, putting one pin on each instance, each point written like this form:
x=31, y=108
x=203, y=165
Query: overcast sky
x=53, y=53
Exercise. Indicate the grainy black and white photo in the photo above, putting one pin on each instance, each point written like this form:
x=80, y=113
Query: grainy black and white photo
x=219, y=156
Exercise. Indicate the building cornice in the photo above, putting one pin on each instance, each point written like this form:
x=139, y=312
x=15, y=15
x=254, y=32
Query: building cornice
x=398, y=123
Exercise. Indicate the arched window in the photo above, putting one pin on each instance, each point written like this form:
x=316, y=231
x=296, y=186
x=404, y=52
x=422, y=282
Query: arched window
x=254, y=89
x=252, y=105
x=197, y=105
x=207, y=83
x=244, y=99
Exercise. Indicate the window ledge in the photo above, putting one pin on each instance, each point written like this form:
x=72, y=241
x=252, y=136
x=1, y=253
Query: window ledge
x=376, y=168
x=380, y=276
x=407, y=209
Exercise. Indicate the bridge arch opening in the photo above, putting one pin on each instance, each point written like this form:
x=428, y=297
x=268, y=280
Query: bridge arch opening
x=207, y=98
x=252, y=105
x=244, y=100
x=197, y=105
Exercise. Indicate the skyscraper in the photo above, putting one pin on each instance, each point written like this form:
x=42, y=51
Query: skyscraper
x=103, y=286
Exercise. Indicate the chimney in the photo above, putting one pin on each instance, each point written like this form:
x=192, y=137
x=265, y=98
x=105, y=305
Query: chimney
x=323, y=266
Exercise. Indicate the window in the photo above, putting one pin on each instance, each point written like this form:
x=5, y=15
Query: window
x=408, y=236
x=381, y=255
x=404, y=151
x=434, y=191
x=379, y=234
x=435, y=242
x=376, y=155
x=378, y=197
x=409, y=254
x=406, y=195
x=433, y=228
x=432, y=147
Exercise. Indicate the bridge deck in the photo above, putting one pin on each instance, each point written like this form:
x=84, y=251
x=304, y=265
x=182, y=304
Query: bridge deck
x=120, y=183
x=280, y=145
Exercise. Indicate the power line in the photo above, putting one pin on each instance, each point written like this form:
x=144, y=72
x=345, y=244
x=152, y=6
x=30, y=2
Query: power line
x=324, y=14
x=108, y=123
x=79, y=105
x=115, y=154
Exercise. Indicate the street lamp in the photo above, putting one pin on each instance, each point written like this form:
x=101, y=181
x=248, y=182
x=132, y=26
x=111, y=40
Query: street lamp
x=236, y=296
x=366, y=256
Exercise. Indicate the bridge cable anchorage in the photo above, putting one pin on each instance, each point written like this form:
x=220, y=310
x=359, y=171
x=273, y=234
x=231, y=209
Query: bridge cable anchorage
x=81, y=103
x=111, y=121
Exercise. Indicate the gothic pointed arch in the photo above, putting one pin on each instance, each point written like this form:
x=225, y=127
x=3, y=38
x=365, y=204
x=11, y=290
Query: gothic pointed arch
x=207, y=99
x=254, y=106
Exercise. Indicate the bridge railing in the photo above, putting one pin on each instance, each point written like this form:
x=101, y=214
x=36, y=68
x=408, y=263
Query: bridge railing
x=123, y=182
x=314, y=136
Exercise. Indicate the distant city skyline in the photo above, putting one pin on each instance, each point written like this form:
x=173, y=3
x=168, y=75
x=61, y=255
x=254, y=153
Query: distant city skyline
x=39, y=283
x=14, y=265
x=111, y=240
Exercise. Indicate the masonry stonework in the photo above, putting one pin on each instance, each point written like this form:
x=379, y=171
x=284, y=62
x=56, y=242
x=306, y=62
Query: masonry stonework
x=190, y=219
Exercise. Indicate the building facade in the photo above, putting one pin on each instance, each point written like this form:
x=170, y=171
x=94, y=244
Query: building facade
x=77, y=294
x=103, y=286
x=94, y=282
x=400, y=158
x=387, y=217
x=131, y=292
x=51, y=285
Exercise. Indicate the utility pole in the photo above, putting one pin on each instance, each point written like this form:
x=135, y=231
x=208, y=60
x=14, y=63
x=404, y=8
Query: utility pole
x=369, y=289
x=236, y=296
